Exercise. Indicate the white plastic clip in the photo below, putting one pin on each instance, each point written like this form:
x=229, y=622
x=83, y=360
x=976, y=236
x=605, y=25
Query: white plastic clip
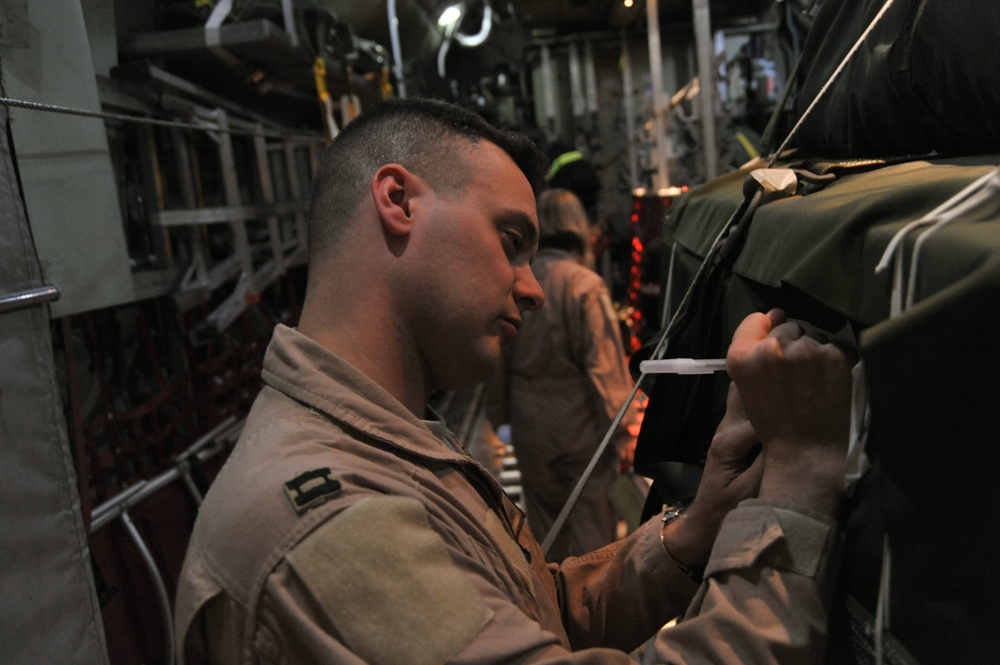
x=682, y=366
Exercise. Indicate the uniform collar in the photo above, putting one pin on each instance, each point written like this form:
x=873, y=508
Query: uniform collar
x=303, y=369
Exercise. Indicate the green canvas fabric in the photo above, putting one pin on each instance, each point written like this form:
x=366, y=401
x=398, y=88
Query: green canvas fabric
x=932, y=379
x=826, y=244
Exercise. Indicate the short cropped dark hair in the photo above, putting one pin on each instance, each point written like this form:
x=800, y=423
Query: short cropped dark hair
x=419, y=134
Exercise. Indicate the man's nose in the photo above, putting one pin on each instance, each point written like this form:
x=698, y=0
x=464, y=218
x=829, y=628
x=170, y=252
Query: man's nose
x=527, y=291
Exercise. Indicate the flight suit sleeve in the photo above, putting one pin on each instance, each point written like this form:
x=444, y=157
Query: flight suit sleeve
x=767, y=591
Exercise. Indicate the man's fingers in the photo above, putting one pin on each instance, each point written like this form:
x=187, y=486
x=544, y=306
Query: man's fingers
x=777, y=317
x=747, y=340
x=734, y=405
x=754, y=327
x=751, y=330
x=787, y=331
x=735, y=436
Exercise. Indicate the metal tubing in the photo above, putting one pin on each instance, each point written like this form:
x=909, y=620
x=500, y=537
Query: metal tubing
x=470, y=41
x=628, y=97
x=289, y=17
x=295, y=188
x=590, y=76
x=161, y=589
x=22, y=299
x=231, y=188
x=199, y=216
x=549, y=93
x=267, y=195
x=662, y=176
x=213, y=39
x=706, y=80
x=219, y=13
x=576, y=86
x=184, y=469
x=106, y=513
x=397, y=53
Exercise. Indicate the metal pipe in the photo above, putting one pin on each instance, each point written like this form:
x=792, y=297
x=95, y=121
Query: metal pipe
x=628, y=97
x=219, y=14
x=706, y=98
x=289, y=18
x=397, y=53
x=576, y=87
x=184, y=469
x=442, y=55
x=295, y=187
x=27, y=298
x=213, y=35
x=549, y=93
x=231, y=191
x=106, y=513
x=590, y=76
x=661, y=178
x=268, y=197
x=485, y=27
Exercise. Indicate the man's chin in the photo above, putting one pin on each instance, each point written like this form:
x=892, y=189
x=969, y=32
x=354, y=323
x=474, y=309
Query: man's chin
x=473, y=372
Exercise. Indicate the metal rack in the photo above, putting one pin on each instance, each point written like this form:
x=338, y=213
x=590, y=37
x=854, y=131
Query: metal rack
x=233, y=169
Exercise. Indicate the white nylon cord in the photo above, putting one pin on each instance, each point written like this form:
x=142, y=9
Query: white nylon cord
x=987, y=192
x=893, y=253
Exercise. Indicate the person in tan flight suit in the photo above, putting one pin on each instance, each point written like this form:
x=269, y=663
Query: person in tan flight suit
x=348, y=526
x=562, y=386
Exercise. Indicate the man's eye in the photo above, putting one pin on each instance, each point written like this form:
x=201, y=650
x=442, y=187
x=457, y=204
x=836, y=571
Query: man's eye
x=514, y=240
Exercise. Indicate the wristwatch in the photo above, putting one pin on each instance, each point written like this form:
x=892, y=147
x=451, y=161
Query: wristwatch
x=694, y=573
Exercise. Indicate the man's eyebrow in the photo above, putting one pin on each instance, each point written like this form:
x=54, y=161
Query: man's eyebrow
x=520, y=219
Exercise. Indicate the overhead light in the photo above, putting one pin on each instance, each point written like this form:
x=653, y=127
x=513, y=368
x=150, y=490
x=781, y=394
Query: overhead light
x=628, y=3
x=449, y=16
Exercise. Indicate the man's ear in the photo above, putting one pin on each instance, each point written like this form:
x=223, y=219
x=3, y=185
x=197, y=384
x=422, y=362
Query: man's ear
x=393, y=189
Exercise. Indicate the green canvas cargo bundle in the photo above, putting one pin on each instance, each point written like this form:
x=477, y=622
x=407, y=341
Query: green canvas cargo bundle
x=932, y=371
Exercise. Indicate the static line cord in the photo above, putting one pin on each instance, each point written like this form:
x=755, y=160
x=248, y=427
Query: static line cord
x=104, y=115
x=658, y=352
x=829, y=81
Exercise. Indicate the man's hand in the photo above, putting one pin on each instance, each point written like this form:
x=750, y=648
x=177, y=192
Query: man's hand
x=797, y=394
x=732, y=473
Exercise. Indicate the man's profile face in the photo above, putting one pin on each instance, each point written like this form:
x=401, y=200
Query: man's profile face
x=480, y=282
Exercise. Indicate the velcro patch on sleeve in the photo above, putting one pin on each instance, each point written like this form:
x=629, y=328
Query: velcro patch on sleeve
x=805, y=540
x=386, y=580
x=759, y=534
